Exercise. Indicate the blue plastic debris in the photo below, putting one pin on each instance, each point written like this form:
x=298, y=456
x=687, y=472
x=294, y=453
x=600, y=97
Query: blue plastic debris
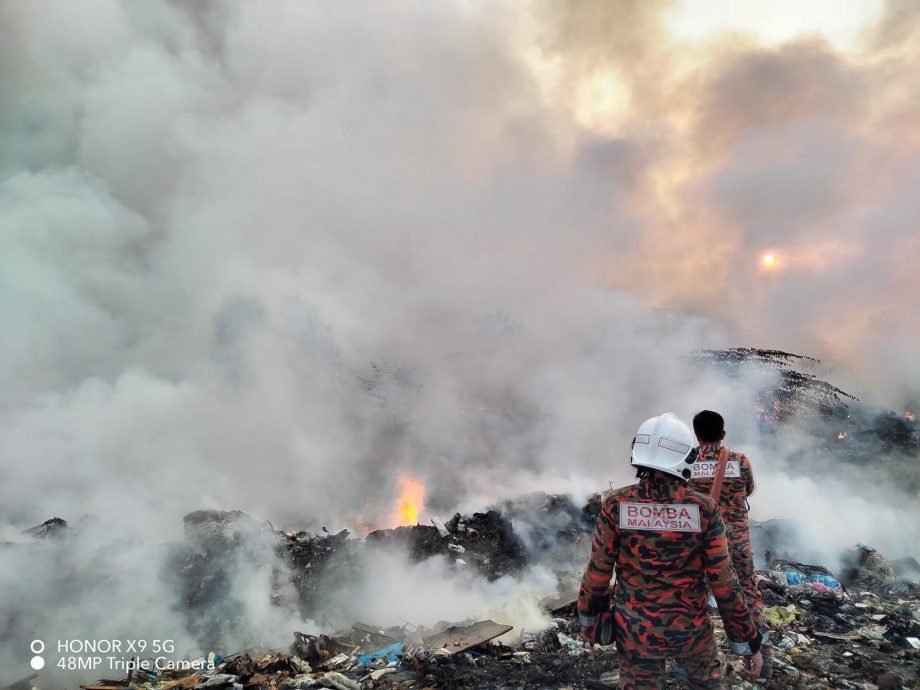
x=391, y=653
x=795, y=577
x=827, y=581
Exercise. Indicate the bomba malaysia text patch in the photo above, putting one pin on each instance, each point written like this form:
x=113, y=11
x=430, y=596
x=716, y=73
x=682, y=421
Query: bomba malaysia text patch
x=659, y=517
x=706, y=469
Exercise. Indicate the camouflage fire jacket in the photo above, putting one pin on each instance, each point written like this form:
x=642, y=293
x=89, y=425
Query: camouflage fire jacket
x=737, y=485
x=666, y=542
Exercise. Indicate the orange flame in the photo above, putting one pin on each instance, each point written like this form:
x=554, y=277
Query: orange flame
x=910, y=416
x=411, y=500
x=842, y=435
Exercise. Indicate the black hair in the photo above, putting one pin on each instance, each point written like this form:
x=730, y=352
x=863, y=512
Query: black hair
x=708, y=426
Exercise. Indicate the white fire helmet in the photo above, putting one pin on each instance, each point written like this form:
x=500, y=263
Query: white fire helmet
x=665, y=443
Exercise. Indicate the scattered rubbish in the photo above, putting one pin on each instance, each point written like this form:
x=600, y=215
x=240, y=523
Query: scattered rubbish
x=855, y=631
x=338, y=682
x=391, y=653
x=779, y=616
x=442, y=530
x=219, y=680
x=485, y=540
x=867, y=569
x=794, y=577
x=570, y=644
x=458, y=639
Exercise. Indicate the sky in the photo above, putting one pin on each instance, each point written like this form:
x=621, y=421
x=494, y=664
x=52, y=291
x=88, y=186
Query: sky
x=840, y=22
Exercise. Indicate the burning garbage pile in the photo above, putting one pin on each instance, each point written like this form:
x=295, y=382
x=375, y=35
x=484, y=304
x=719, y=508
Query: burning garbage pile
x=792, y=392
x=485, y=541
x=857, y=628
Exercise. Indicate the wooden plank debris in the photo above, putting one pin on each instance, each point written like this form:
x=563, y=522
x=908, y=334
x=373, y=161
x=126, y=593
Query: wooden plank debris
x=460, y=638
x=560, y=603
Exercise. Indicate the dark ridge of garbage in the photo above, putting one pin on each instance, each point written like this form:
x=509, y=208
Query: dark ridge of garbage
x=202, y=568
x=739, y=355
x=859, y=433
x=865, y=568
x=219, y=529
x=846, y=429
x=554, y=530
x=550, y=517
x=484, y=540
x=907, y=567
x=778, y=538
x=51, y=528
x=313, y=562
x=247, y=670
x=420, y=541
x=592, y=510
x=491, y=541
x=795, y=393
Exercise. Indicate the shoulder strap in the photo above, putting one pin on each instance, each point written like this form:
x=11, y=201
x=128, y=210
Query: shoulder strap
x=720, y=474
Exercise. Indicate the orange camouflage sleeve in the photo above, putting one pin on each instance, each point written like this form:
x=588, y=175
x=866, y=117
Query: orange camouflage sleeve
x=747, y=471
x=739, y=627
x=604, y=550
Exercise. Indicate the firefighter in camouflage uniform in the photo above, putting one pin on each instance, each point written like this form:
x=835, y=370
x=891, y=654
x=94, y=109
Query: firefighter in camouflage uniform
x=737, y=485
x=667, y=542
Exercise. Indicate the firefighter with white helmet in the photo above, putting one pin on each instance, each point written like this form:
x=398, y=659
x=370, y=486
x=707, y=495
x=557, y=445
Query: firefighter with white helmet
x=666, y=543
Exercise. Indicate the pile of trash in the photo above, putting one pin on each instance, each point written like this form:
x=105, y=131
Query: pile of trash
x=857, y=628
x=824, y=636
x=484, y=540
x=852, y=632
x=309, y=570
x=455, y=656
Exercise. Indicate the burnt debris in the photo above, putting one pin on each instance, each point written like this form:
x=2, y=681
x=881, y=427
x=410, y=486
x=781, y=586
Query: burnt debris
x=825, y=635
x=795, y=392
x=858, y=627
